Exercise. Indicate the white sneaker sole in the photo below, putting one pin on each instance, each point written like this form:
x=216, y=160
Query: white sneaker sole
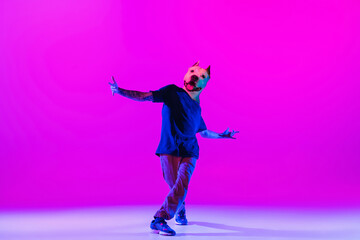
x=177, y=223
x=162, y=233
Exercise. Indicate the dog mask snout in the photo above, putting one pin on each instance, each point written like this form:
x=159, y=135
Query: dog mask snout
x=194, y=78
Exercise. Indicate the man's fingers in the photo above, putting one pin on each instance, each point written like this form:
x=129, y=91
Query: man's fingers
x=113, y=79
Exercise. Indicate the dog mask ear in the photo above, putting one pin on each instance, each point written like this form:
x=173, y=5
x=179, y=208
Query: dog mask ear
x=196, y=64
x=208, y=70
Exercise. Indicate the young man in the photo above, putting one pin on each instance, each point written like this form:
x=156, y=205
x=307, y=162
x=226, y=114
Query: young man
x=178, y=148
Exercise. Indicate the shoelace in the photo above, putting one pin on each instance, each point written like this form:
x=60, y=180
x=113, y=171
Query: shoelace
x=182, y=214
x=164, y=225
x=161, y=221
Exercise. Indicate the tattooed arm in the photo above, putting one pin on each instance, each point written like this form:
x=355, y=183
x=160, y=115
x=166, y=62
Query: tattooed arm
x=134, y=95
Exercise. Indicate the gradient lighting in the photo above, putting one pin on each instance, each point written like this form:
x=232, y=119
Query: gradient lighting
x=284, y=74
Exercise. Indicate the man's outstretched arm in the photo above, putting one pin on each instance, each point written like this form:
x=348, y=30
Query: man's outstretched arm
x=134, y=95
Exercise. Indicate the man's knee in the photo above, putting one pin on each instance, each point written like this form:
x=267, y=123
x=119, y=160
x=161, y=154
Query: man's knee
x=187, y=168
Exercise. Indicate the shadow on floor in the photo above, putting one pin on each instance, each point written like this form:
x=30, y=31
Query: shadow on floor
x=259, y=232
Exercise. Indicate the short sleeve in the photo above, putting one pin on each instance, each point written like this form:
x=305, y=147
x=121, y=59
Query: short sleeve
x=202, y=126
x=162, y=94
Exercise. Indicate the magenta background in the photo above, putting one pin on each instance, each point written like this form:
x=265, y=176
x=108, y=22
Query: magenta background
x=286, y=75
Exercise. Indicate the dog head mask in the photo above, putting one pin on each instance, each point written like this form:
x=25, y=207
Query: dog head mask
x=196, y=78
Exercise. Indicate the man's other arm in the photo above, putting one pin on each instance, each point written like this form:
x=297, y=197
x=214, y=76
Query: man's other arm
x=226, y=134
x=209, y=134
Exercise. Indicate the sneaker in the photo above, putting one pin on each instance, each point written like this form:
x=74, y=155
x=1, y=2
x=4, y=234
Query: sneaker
x=180, y=218
x=159, y=225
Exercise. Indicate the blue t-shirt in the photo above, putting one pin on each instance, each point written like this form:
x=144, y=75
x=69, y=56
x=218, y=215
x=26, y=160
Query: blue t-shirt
x=181, y=120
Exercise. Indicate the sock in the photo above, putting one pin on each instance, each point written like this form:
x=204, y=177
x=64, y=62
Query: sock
x=158, y=218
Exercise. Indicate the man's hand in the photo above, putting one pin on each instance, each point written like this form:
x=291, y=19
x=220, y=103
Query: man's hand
x=227, y=134
x=114, y=86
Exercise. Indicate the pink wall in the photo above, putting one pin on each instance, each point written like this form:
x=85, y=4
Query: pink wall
x=286, y=75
